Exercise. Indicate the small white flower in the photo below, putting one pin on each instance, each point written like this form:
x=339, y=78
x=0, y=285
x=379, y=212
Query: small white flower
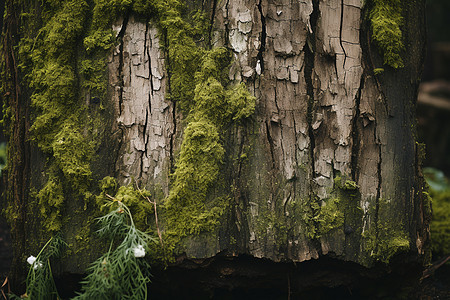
x=139, y=251
x=31, y=259
x=37, y=265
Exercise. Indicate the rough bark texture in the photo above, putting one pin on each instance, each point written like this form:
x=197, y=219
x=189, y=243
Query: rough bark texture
x=328, y=164
x=144, y=117
x=321, y=114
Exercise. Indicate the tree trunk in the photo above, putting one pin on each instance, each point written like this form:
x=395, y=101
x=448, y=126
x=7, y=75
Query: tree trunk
x=326, y=167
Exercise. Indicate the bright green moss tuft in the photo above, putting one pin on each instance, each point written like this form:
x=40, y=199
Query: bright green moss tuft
x=200, y=158
x=378, y=71
x=348, y=185
x=196, y=170
x=330, y=216
x=240, y=103
x=51, y=201
x=201, y=88
x=108, y=185
x=386, y=19
x=387, y=238
x=72, y=153
x=64, y=27
x=385, y=242
x=94, y=75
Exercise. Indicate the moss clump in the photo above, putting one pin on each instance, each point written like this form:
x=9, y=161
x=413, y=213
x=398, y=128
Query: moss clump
x=201, y=88
x=330, y=216
x=344, y=184
x=385, y=20
x=63, y=126
x=340, y=209
x=65, y=66
x=50, y=202
x=387, y=238
x=60, y=126
x=386, y=243
x=135, y=199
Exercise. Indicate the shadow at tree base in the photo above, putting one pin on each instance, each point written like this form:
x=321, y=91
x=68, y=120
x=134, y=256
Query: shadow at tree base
x=6, y=252
x=245, y=277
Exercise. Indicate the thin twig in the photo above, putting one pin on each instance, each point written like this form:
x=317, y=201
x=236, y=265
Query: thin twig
x=110, y=197
x=3, y=285
x=156, y=214
x=427, y=273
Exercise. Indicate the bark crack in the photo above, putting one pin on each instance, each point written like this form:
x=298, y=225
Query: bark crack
x=308, y=73
x=211, y=21
x=340, y=33
x=150, y=75
x=262, y=47
x=172, y=137
x=227, y=29
x=270, y=140
x=145, y=137
x=355, y=133
x=169, y=90
x=120, y=37
x=377, y=200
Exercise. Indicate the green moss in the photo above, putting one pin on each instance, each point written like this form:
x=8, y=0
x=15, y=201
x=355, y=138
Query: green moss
x=137, y=200
x=347, y=185
x=329, y=217
x=3, y=156
x=63, y=54
x=50, y=202
x=63, y=125
x=93, y=72
x=387, y=238
x=440, y=225
x=386, y=21
x=48, y=59
x=200, y=87
x=341, y=208
x=385, y=242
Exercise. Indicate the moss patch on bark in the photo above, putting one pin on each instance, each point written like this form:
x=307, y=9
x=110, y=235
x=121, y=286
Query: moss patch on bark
x=386, y=20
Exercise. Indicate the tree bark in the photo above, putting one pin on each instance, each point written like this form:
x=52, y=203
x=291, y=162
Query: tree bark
x=327, y=166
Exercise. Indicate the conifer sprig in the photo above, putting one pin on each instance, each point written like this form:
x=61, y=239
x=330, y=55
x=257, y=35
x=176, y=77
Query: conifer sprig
x=121, y=273
x=40, y=284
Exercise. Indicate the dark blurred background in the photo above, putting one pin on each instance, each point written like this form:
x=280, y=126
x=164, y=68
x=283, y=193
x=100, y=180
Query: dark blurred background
x=433, y=117
x=433, y=110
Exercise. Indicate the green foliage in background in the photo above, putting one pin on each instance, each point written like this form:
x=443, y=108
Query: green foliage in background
x=440, y=224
